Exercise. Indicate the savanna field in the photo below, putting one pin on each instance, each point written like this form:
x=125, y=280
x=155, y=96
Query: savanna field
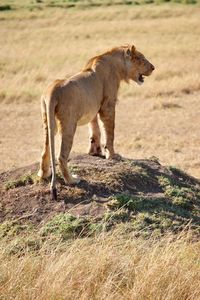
x=137, y=236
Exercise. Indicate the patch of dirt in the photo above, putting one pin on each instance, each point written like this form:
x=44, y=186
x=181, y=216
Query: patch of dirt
x=101, y=180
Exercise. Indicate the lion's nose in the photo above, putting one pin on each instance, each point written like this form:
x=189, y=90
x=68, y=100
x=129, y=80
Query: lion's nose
x=152, y=67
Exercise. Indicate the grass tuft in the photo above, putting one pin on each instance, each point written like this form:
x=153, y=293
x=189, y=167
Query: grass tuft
x=66, y=226
x=179, y=195
x=12, y=228
x=22, y=181
x=5, y=7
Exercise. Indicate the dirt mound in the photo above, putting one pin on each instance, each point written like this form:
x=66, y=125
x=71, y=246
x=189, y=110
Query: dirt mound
x=144, y=188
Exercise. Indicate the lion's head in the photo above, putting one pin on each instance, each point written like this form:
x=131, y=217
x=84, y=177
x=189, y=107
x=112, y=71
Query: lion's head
x=137, y=65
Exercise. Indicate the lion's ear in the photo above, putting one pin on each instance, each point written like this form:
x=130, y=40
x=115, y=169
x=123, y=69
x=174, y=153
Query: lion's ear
x=130, y=51
x=133, y=48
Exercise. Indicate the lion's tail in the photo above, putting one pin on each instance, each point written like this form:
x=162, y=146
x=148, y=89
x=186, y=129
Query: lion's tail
x=50, y=106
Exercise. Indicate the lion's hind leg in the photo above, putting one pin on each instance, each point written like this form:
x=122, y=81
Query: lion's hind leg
x=45, y=170
x=67, y=132
x=94, y=138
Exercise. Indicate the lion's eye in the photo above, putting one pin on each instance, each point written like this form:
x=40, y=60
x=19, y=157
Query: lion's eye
x=138, y=59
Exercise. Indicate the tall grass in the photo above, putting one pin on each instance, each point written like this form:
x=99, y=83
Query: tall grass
x=109, y=266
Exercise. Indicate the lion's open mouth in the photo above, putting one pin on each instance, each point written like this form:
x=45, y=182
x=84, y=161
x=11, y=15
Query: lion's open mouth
x=141, y=78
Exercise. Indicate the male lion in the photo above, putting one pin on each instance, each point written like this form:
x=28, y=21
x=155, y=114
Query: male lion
x=80, y=99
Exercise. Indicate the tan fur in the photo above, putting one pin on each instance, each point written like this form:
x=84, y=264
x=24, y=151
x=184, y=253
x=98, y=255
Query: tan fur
x=81, y=99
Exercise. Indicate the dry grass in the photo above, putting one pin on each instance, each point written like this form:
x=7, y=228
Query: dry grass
x=106, y=267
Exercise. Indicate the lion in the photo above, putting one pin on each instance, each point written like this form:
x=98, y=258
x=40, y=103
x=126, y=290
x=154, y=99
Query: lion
x=84, y=98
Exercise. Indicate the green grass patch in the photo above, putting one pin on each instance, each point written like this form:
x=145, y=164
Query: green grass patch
x=177, y=209
x=24, y=244
x=139, y=203
x=22, y=181
x=67, y=227
x=179, y=195
x=12, y=228
x=5, y=7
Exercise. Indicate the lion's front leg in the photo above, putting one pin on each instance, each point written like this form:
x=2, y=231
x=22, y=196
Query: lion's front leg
x=95, y=138
x=108, y=119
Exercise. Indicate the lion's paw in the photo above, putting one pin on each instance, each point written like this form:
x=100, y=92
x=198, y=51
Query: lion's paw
x=114, y=156
x=74, y=179
x=44, y=174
